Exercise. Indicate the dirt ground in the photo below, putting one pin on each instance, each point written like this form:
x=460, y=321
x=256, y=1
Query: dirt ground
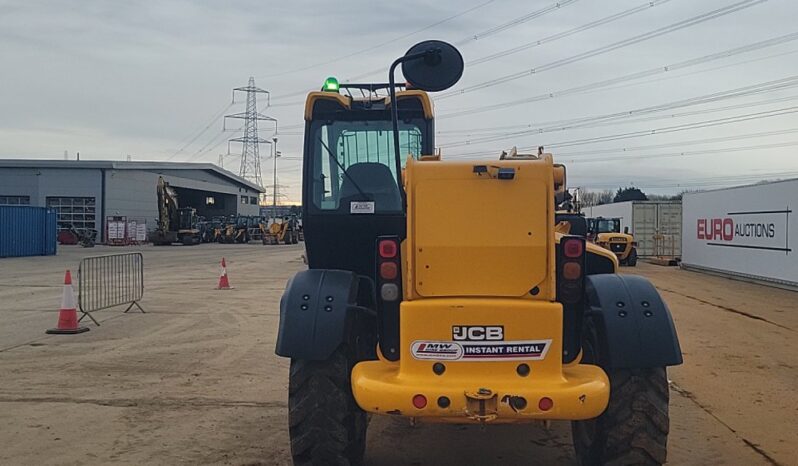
x=195, y=379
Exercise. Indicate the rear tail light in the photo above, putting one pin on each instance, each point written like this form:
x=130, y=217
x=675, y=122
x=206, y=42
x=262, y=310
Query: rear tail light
x=571, y=271
x=571, y=266
x=388, y=290
x=389, y=270
x=420, y=401
x=387, y=248
x=573, y=248
x=545, y=403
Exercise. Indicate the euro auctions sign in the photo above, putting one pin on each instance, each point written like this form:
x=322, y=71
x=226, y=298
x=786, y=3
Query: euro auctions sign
x=750, y=231
x=765, y=229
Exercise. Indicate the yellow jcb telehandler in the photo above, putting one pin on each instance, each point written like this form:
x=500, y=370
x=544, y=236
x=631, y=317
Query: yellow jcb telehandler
x=409, y=308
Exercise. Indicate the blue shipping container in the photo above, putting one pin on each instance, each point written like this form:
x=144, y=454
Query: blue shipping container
x=27, y=231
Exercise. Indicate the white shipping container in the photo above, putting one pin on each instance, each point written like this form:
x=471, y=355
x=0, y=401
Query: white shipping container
x=749, y=231
x=656, y=225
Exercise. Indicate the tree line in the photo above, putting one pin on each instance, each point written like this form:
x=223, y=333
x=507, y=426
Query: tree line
x=623, y=194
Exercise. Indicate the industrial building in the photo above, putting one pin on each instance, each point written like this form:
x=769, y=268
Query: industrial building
x=89, y=193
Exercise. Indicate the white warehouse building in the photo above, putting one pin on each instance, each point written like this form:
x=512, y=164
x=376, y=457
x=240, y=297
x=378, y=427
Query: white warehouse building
x=85, y=193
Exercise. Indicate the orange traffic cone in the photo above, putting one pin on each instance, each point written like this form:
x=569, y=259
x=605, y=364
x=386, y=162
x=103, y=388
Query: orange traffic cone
x=68, y=314
x=224, y=283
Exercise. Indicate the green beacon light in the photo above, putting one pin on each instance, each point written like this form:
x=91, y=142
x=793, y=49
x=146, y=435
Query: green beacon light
x=330, y=85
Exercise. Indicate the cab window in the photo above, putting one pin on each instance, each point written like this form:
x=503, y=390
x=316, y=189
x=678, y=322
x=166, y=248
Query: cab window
x=354, y=161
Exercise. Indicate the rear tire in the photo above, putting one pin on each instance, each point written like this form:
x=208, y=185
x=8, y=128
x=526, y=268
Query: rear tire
x=634, y=427
x=326, y=426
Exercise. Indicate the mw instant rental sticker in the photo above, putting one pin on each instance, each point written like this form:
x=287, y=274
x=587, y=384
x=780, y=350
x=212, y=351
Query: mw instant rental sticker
x=439, y=350
x=481, y=351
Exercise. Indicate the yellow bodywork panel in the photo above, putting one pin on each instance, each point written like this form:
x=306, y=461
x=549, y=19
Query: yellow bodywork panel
x=488, y=370
x=474, y=234
x=480, y=334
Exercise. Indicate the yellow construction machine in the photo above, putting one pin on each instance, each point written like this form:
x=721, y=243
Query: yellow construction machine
x=175, y=224
x=280, y=231
x=606, y=232
x=409, y=308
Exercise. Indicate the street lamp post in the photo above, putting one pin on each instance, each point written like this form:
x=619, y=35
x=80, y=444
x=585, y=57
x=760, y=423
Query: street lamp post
x=274, y=186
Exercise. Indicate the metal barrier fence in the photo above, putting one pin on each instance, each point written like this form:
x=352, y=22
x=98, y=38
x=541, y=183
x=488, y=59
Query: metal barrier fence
x=108, y=281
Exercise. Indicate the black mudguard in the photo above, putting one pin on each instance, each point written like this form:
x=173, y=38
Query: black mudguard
x=634, y=326
x=316, y=313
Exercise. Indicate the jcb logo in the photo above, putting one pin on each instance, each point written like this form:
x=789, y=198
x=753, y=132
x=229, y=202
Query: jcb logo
x=477, y=332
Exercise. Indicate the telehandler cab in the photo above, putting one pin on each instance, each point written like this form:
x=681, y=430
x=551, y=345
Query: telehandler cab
x=410, y=308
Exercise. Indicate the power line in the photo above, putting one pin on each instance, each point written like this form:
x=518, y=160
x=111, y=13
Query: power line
x=217, y=140
x=536, y=43
x=607, y=48
x=473, y=37
x=708, y=181
x=216, y=117
x=582, y=122
x=663, y=130
x=625, y=78
x=678, y=128
x=515, y=22
x=689, y=142
x=382, y=44
x=622, y=80
x=725, y=150
x=638, y=120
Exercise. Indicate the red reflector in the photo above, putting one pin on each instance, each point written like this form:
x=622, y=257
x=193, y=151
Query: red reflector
x=388, y=270
x=545, y=403
x=387, y=249
x=420, y=401
x=571, y=270
x=573, y=248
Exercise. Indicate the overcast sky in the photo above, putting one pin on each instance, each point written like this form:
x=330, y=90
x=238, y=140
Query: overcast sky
x=111, y=79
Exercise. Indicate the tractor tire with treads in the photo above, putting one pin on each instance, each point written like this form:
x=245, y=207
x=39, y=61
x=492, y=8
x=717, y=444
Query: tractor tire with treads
x=631, y=261
x=326, y=425
x=633, y=430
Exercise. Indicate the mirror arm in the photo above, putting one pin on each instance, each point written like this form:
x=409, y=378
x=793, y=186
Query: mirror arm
x=395, y=118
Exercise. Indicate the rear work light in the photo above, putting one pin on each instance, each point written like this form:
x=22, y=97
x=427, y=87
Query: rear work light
x=389, y=292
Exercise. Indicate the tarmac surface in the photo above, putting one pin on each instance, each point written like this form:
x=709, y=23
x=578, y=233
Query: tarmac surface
x=195, y=380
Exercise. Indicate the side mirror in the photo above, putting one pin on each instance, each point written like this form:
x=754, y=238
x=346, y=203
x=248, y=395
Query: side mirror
x=432, y=66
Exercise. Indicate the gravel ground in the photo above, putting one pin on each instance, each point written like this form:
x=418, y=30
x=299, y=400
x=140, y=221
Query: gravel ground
x=195, y=379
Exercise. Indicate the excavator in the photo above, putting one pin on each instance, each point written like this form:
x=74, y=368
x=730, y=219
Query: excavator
x=175, y=224
x=280, y=231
